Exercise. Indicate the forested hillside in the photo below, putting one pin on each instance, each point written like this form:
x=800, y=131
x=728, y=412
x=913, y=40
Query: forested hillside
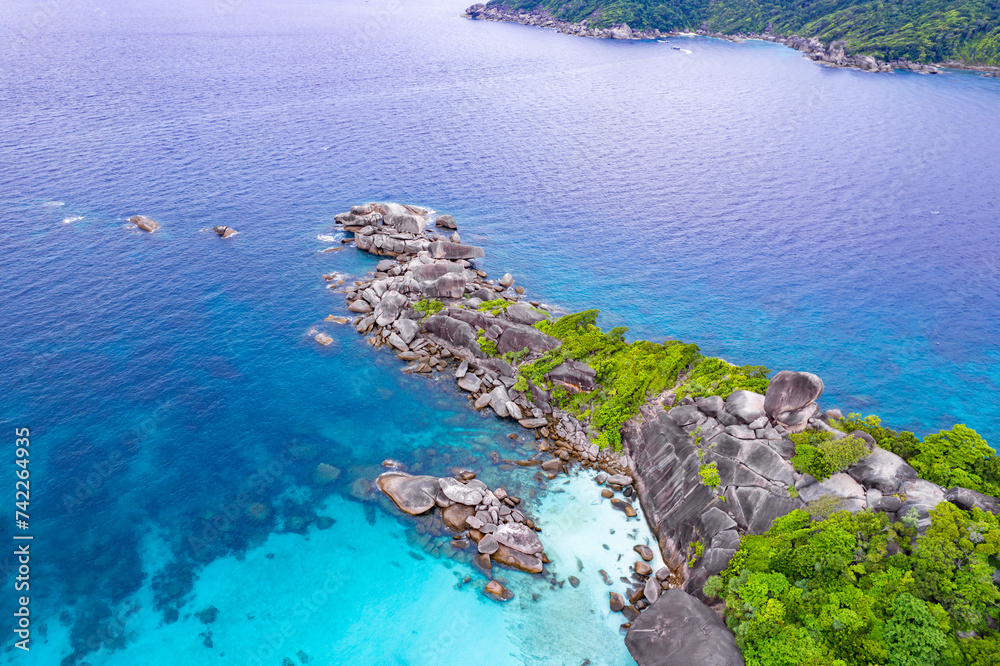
x=918, y=30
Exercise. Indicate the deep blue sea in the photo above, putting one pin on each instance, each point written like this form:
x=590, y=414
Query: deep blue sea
x=733, y=195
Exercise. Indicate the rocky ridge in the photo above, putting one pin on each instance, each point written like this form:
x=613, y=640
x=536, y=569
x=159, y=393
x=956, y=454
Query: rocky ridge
x=833, y=54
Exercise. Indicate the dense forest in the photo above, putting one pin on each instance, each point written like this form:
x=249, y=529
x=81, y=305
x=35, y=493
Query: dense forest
x=926, y=31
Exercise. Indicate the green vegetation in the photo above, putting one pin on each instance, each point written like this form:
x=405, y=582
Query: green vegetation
x=428, y=308
x=495, y=306
x=699, y=550
x=918, y=30
x=713, y=376
x=710, y=475
x=819, y=454
x=854, y=590
x=956, y=457
x=626, y=372
x=515, y=357
x=522, y=385
x=487, y=346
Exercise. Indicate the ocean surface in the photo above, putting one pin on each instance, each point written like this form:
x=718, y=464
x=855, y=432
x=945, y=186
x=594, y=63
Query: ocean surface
x=733, y=195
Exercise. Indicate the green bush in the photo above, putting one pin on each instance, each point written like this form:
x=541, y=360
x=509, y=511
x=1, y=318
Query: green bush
x=958, y=457
x=819, y=454
x=713, y=376
x=428, y=308
x=710, y=475
x=487, y=346
x=495, y=307
x=515, y=357
x=849, y=590
x=904, y=444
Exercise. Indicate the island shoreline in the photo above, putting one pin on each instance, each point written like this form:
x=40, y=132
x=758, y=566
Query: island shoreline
x=833, y=54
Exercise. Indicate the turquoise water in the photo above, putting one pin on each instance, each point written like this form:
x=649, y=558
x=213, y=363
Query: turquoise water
x=737, y=196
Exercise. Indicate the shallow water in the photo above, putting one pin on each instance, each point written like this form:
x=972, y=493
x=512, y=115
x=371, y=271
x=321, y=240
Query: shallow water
x=737, y=196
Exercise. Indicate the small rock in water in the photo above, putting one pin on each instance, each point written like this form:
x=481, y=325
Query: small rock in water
x=323, y=339
x=446, y=221
x=497, y=591
x=616, y=602
x=645, y=552
x=623, y=506
x=144, y=223
x=643, y=568
x=337, y=320
x=224, y=231
x=574, y=581
x=607, y=493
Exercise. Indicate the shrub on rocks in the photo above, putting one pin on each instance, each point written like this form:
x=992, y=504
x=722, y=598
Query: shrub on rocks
x=427, y=308
x=713, y=376
x=817, y=453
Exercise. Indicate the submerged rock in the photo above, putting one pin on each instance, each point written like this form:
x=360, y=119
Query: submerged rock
x=497, y=591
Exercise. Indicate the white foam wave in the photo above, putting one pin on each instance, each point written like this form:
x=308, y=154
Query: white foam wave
x=72, y=218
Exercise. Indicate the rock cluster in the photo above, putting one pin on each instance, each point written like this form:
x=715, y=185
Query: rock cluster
x=425, y=267
x=492, y=520
x=746, y=437
x=833, y=54
x=542, y=18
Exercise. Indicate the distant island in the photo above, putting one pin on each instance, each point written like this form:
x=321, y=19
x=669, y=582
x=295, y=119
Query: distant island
x=962, y=33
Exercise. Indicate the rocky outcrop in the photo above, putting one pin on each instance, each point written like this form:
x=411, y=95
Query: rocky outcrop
x=882, y=470
x=224, y=231
x=574, y=376
x=966, y=500
x=679, y=630
x=754, y=471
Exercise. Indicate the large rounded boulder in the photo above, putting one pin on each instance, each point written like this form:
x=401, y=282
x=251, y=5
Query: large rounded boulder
x=412, y=494
x=790, y=396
